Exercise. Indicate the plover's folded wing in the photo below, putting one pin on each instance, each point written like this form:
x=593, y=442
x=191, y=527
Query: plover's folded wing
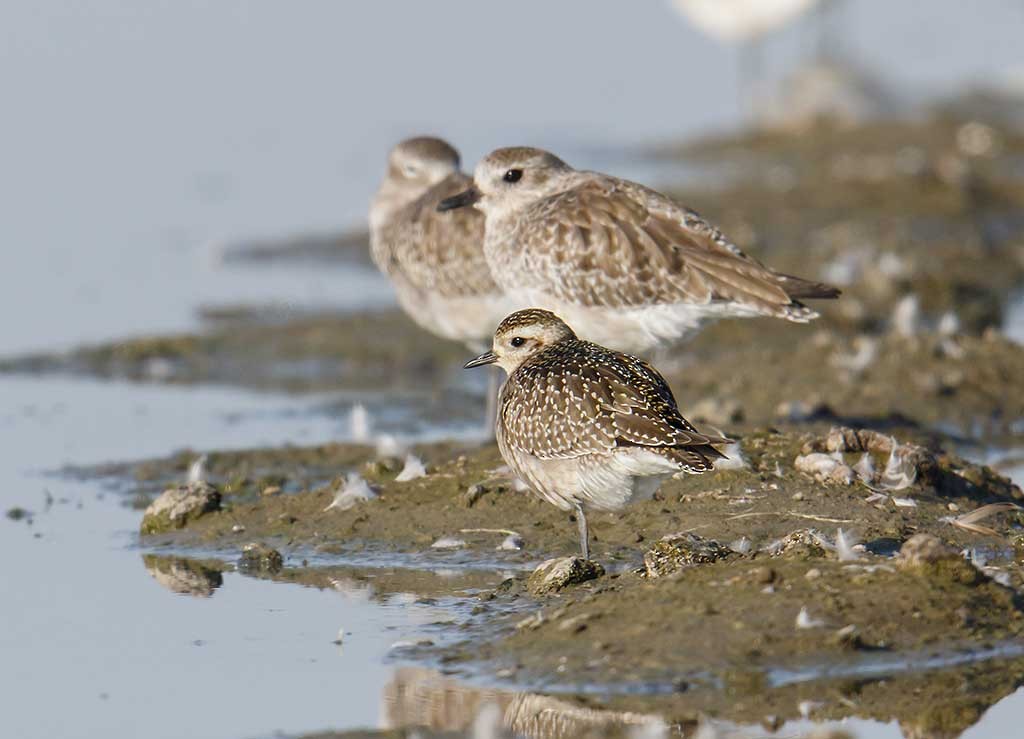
x=616, y=244
x=584, y=399
x=442, y=253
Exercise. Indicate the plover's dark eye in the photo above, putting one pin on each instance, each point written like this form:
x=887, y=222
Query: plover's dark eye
x=517, y=341
x=513, y=175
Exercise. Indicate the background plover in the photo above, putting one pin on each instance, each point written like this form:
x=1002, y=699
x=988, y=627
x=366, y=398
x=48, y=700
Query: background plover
x=623, y=264
x=585, y=426
x=435, y=260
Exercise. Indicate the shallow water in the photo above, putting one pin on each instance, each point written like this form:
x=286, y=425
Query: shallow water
x=88, y=627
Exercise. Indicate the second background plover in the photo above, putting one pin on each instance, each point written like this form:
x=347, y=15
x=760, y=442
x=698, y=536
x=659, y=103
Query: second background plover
x=623, y=264
x=435, y=260
x=584, y=426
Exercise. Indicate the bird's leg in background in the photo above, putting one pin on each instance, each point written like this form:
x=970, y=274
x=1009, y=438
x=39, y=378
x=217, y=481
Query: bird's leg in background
x=493, y=385
x=581, y=524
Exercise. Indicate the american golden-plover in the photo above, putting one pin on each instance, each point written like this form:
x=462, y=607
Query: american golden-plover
x=435, y=260
x=584, y=426
x=624, y=265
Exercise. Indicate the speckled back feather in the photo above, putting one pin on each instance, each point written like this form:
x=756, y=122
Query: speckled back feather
x=576, y=398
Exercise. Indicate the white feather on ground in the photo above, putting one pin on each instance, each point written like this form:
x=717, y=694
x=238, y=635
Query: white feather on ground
x=865, y=468
x=197, y=471
x=355, y=491
x=412, y=470
x=804, y=620
x=845, y=547
x=359, y=424
x=735, y=460
x=511, y=543
x=742, y=545
x=906, y=316
x=448, y=542
x=900, y=469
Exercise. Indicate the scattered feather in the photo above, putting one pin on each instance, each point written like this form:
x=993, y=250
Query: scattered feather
x=876, y=498
x=197, y=470
x=900, y=469
x=359, y=424
x=804, y=620
x=387, y=445
x=806, y=708
x=734, y=458
x=511, y=543
x=412, y=470
x=864, y=355
x=356, y=490
x=970, y=521
x=742, y=545
x=949, y=324
x=448, y=542
x=906, y=316
x=865, y=468
x=847, y=547
x=904, y=502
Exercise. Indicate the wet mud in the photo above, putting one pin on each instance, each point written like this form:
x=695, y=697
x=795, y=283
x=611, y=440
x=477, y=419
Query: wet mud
x=786, y=613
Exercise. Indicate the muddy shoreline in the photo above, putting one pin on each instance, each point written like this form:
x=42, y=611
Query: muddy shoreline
x=850, y=562
x=784, y=617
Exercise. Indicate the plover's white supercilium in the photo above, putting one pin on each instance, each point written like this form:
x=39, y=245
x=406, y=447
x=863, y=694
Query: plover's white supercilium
x=434, y=260
x=624, y=265
x=587, y=427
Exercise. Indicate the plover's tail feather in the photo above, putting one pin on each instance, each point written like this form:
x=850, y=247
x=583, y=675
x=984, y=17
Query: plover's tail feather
x=694, y=459
x=798, y=288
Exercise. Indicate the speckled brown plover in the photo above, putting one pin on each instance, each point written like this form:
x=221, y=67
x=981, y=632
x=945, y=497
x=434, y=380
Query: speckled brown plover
x=584, y=426
x=624, y=265
x=435, y=260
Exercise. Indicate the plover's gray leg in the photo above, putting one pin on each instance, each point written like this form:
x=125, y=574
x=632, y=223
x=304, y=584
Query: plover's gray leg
x=581, y=524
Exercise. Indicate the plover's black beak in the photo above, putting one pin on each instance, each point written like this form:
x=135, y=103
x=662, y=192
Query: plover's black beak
x=485, y=358
x=464, y=198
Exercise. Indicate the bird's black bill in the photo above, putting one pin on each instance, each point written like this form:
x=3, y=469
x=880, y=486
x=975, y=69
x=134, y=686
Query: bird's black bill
x=485, y=358
x=464, y=198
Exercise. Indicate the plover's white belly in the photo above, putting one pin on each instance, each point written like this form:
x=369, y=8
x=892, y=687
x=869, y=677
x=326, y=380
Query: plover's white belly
x=603, y=482
x=637, y=330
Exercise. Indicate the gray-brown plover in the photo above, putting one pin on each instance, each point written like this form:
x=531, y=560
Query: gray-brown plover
x=434, y=260
x=621, y=263
x=585, y=426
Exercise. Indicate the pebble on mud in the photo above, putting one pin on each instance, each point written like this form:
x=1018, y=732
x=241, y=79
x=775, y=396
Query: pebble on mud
x=259, y=557
x=559, y=573
x=928, y=555
x=676, y=551
x=825, y=468
x=178, y=506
